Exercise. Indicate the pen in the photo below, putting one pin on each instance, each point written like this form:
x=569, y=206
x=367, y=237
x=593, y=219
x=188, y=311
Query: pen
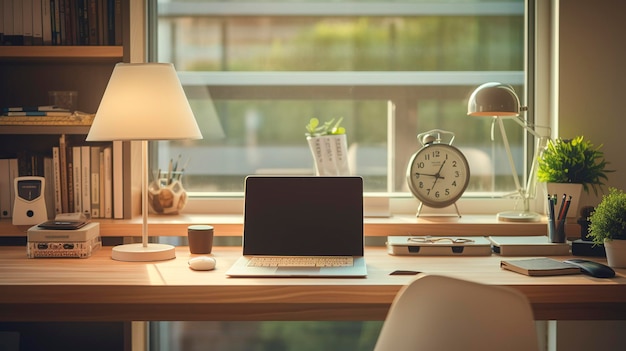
x=567, y=203
x=562, y=206
x=551, y=219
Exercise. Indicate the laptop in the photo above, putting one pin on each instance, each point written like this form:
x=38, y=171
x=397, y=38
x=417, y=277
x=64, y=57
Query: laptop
x=292, y=221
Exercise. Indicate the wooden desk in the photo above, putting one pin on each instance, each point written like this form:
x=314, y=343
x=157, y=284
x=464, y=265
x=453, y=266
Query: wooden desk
x=100, y=289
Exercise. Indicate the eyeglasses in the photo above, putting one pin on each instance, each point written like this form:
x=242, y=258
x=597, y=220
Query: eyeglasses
x=432, y=240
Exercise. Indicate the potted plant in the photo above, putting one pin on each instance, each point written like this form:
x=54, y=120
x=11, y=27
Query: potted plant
x=329, y=146
x=569, y=166
x=608, y=226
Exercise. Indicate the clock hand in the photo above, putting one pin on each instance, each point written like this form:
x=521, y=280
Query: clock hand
x=438, y=174
x=425, y=174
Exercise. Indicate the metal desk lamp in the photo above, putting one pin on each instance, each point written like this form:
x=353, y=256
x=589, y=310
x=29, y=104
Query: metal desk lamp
x=499, y=101
x=144, y=101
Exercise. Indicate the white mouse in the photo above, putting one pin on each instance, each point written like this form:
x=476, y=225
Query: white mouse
x=202, y=263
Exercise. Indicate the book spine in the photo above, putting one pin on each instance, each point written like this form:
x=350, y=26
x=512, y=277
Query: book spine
x=38, y=113
x=110, y=22
x=18, y=23
x=1, y=22
x=108, y=183
x=46, y=22
x=118, y=23
x=27, y=21
x=63, y=171
x=7, y=17
x=56, y=165
x=56, y=22
x=49, y=197
x=86, y=180
x=92, y=19
x=70, y=180
x=5, y=189
x=37, y=18
x=118, y=179
x=101, y=22
x=95, y=182
x=77, y=178
x=13, y=173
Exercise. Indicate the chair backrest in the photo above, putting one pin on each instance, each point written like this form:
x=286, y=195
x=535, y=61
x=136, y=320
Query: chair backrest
x=443, y=313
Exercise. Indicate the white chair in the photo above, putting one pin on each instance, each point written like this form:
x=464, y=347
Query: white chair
x=442, y=313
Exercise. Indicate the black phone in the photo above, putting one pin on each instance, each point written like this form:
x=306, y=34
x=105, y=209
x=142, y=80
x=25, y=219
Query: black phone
x=62, y=225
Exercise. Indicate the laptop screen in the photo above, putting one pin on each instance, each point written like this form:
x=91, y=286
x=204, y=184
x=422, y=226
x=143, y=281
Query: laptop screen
x=303, y=216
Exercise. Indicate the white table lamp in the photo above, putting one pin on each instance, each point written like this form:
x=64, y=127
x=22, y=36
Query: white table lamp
x=499, y=101
x=142, y=102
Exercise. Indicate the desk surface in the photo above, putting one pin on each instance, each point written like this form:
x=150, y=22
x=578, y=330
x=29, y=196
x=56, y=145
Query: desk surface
x=100, y=289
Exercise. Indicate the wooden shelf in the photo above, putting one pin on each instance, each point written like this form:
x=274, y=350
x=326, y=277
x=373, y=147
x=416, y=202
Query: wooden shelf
x=61, y=52
x=44, y=129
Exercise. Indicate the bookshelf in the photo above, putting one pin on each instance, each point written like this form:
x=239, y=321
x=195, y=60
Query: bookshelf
x=30, y=72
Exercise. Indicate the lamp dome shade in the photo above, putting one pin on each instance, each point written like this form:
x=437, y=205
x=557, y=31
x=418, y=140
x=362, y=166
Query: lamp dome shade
x=493, y=100
x=144, y=101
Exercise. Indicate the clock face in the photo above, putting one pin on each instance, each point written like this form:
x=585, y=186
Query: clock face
x=438, y=174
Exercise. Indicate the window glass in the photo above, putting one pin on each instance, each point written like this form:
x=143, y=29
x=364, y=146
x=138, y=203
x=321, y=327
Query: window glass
x=255, y=73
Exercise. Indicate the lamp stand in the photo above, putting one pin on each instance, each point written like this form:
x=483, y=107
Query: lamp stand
x=516, y=216
x=145, y=251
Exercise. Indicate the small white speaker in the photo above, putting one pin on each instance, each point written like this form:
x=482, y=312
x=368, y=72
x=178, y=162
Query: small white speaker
x=30, y=206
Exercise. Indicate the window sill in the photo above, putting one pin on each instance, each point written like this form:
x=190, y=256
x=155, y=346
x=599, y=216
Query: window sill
x=232, y=225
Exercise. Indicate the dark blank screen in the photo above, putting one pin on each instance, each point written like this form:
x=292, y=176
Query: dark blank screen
x=303, y=216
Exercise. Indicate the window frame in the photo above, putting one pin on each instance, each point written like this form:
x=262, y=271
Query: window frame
x=538, y=33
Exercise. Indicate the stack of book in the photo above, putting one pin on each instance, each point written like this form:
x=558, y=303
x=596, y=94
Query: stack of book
x=43, y=115
x=59, y=243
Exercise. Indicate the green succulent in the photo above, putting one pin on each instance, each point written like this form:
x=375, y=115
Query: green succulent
x=573, y=161
x=328, y=128
x=608, y=220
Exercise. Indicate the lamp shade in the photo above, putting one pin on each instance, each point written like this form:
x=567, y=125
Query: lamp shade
x=144, y=101
x=493, y=100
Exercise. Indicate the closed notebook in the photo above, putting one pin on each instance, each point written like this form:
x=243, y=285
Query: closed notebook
x=541, y=266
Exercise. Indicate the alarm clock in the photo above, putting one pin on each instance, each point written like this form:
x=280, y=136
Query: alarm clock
x=29, y=206
x=438, y=173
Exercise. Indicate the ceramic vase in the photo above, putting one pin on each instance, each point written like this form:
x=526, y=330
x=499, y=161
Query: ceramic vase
x=615, y=253
x=167, y=195
x=330, y=153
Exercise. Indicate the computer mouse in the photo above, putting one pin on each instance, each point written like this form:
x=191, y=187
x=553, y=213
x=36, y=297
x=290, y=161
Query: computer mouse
x=592, y=268
x=202, y=263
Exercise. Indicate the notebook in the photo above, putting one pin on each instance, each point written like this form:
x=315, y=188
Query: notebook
x=293, y=217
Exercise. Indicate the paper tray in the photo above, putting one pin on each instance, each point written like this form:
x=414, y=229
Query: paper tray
x=405, y=246
x=528, y=246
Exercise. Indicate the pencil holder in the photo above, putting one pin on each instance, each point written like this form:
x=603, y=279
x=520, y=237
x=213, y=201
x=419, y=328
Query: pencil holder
x=556, y=231
x=166, y=195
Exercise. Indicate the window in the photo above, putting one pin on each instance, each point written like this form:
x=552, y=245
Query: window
x=256, y=73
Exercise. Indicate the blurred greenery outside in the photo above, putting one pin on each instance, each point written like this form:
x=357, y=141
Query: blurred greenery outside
x=343, y=44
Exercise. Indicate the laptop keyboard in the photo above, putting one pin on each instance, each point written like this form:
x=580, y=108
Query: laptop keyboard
x=295, y=261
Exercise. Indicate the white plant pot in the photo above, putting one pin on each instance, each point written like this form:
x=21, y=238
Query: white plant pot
x=573, y=189
x=615, y=253
x=330, y=153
